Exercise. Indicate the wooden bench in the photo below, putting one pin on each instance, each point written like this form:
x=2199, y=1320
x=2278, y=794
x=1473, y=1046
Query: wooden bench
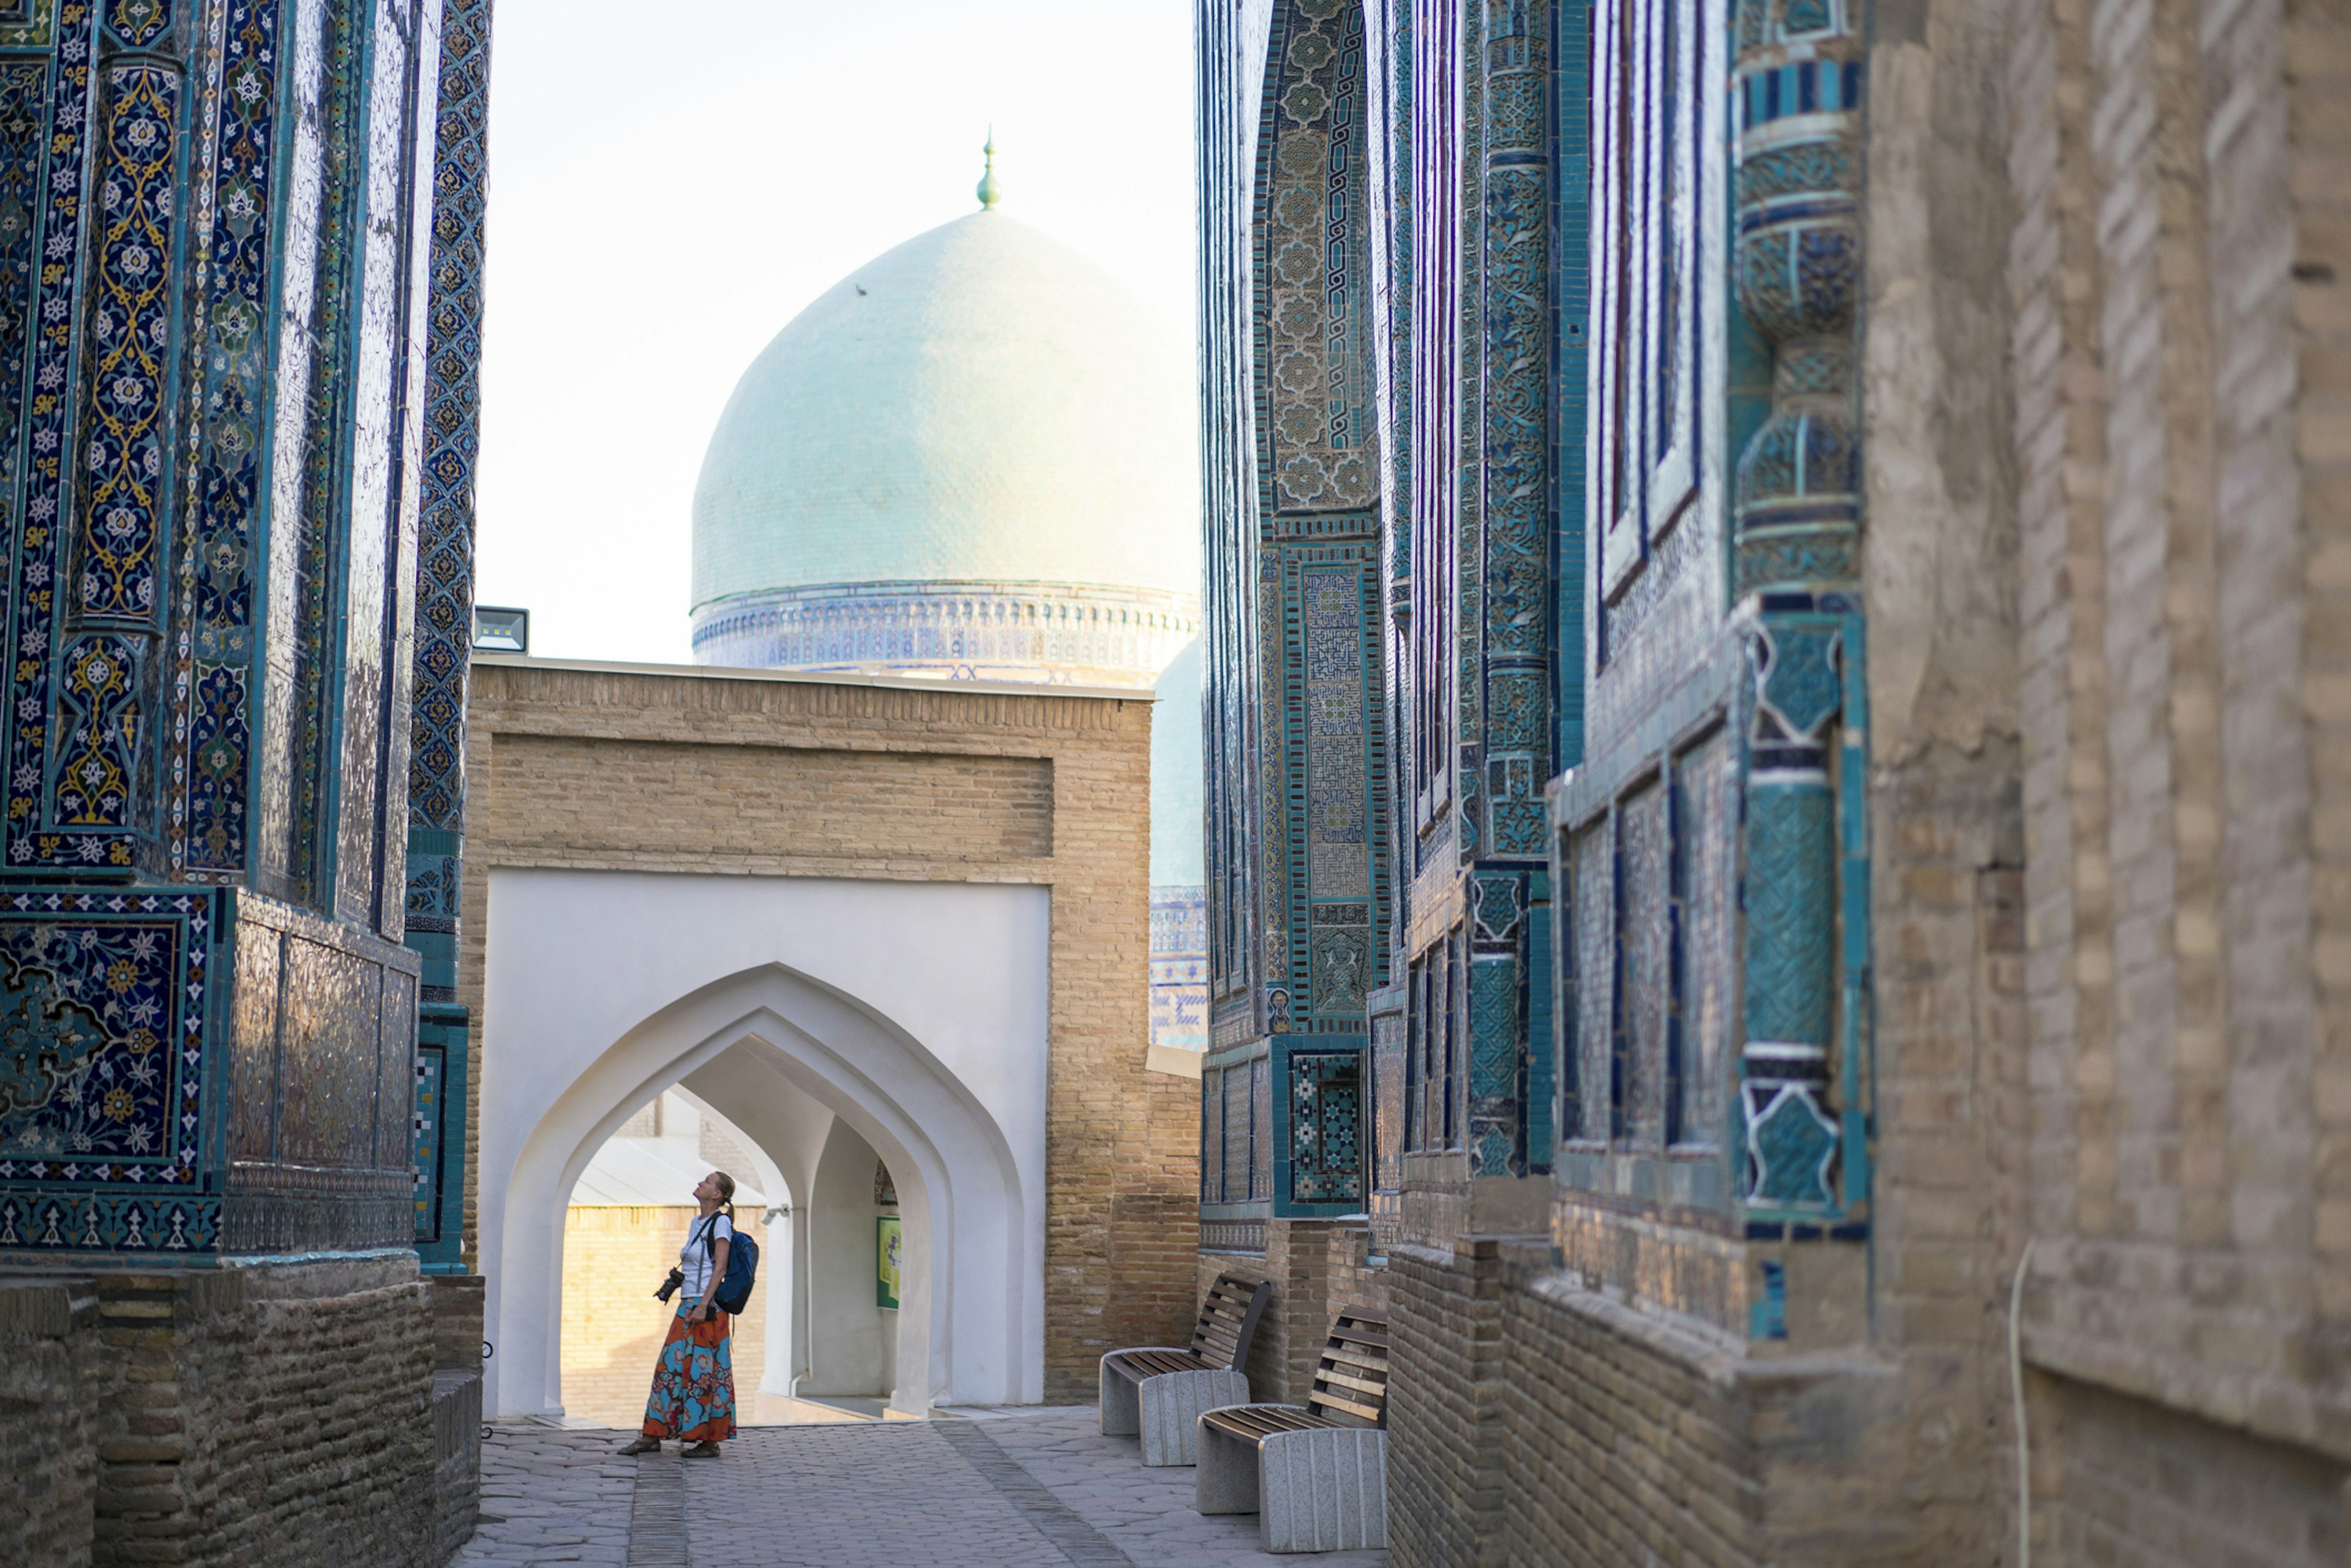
x=1315, y=1475
x=1158, y=1391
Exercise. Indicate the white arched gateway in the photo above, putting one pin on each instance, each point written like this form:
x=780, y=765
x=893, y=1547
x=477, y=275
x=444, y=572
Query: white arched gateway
x=915, y=1012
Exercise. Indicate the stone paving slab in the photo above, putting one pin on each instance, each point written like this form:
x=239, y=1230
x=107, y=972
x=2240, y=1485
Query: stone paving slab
x=1147, y=1513
x=1017, y=1488
x=551, y=1496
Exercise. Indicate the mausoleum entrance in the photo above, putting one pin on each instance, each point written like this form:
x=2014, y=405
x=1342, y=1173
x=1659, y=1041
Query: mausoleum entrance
x=891, y=935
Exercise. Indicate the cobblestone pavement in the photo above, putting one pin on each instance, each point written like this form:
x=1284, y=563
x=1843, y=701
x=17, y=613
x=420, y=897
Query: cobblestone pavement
x=1014, y=1488
x=553, y=1497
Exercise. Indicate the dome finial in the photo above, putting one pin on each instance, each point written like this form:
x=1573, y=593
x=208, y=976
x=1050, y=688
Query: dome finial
x=989, y=191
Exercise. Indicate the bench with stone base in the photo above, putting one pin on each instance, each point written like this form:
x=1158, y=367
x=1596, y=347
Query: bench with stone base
x=1158, y=1392
x=1316, y=1474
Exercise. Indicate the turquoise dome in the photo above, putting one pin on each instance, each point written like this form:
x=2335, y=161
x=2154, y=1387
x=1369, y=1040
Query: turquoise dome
x=1178, y=797
x=980, y=405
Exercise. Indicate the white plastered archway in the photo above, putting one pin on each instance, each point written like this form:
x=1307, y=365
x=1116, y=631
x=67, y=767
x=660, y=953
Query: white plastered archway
x=575, y=959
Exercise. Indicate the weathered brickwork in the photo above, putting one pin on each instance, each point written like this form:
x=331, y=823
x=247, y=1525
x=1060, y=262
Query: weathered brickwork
x=279, y=1416
x=2180, y=265
x=1445, y=1416
x=49, y=1343
x=2120, y=1482
x=596, y=767
x=1625, y=1440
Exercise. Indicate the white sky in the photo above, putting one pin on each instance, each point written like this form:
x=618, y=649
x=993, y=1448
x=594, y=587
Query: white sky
x=647, y=240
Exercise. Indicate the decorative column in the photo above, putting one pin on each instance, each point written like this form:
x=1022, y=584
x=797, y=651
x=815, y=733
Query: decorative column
x=1796, y=92
x=445, y=629
x=212, y=342
x=1509, y=742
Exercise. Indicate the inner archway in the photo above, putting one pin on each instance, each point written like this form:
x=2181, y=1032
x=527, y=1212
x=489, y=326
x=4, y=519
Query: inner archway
x=961, y=1128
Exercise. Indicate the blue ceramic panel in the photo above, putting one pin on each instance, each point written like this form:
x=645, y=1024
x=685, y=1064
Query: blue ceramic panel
x=445, y=589
x=136, y=23
x=329, y=1079
x=1791, y=914
x=1388, y=1036
x=1261, y=1081
x=1593, y=935
x=34, y=839
x=120, y=561
x=1238, y=1155
x=1644, y=956
x=395, y=1073
x=252, y=1046
x=312, y=172
x=1326, y=1126
x=108, y=1096
x=210, y=830
x=1709, y=844
x=370, y=552
x=431, y=1067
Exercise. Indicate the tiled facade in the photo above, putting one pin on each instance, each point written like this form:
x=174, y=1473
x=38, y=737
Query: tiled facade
x=1851, y=507
x=217, y=329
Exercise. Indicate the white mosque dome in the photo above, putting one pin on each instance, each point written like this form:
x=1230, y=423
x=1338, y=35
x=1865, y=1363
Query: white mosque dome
x=973, y=457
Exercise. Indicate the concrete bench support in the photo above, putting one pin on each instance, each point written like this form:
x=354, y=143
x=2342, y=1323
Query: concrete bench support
x=1122, y=1411
x=1323, y=1490
x=1226, y=1482
x=1171, y=1406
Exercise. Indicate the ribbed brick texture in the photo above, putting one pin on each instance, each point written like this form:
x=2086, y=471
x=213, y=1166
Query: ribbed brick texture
x=1446, y=1407
x=263, y=1417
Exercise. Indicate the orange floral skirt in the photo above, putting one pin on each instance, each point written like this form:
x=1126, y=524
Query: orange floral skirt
x=694, y=1382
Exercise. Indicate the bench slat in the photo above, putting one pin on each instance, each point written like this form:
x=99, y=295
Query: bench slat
x=1368, y=1412
x=1151, y=1362
x=1256, y=1422
x=1379, y=1390
x=1220, y=1335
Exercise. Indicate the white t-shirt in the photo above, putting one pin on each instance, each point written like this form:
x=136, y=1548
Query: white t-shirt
x=697, y=1256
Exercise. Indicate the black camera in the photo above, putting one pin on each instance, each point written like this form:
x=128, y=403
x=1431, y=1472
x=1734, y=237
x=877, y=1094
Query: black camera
x=671, y=1285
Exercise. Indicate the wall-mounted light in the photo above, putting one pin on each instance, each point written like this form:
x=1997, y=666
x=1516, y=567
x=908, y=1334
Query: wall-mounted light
x=501, y=629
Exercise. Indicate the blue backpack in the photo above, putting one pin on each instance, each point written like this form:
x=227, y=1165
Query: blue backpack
x=742, y=1267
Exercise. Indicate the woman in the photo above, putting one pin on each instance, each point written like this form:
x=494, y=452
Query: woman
x=694, y=1382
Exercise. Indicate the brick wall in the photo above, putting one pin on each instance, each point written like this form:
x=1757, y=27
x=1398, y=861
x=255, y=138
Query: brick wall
x=274, y=1416
x=2180, y=261
x=1445, y=1440
x=2117, y=1480
x=49, y=1342
x=614, y=1258
x=590, y=768
x=1625, y=1442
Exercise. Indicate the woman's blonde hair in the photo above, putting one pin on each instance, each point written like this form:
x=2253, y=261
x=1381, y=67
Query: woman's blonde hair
x=727, y=1185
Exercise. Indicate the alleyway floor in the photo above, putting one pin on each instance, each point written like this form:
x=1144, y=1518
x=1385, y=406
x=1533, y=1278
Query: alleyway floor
x=1036, y=1489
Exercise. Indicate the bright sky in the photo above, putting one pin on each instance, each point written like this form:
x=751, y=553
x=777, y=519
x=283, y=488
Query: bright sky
x=644, y=246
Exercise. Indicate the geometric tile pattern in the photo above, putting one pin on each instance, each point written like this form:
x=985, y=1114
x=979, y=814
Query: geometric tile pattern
x=1326, y=1126
x=175, y=388
x=445, y=542
x=1298, y=807
x=108, y=1093
x=452, y=420
x=213, y=635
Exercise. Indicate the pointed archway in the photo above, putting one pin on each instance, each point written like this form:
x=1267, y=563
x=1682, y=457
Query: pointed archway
x=960, y=1126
